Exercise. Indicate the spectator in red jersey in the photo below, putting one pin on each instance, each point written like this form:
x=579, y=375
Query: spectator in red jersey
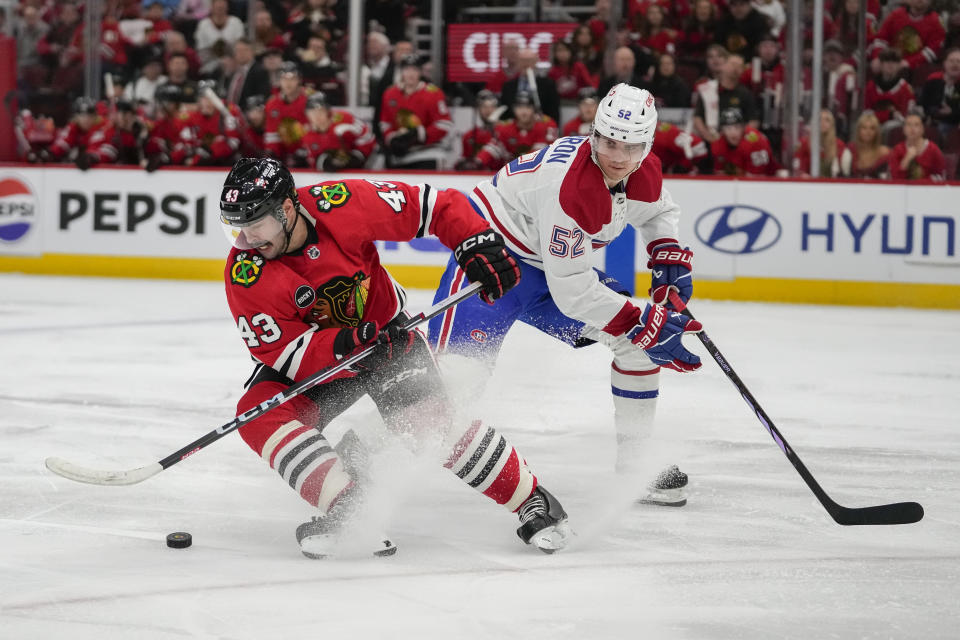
x=481, y=135
x=889, y=95
x=286, y=116
x=252, y=130
x=114, y=47
x=653, y=34
x=716, y=96
x=831, y=150
x=166, y=143
x=669, y=89
x=586, y=112
x=741, y=29
x=840, y=82
x=84, y=138
x=680, y=151
x=916, y=158
x=940, y=95
x=866, y=156
x=160, y=26
x=698, y=32
x=568, y=74
x=334, y=140
x=414, y=120
x=510, y=67
x=213, y=136
x=528, y=131
x=61, y=49
x=741, y=150
x=126, y=133
x=914, y=31
x=175, y=44
x=585, y=49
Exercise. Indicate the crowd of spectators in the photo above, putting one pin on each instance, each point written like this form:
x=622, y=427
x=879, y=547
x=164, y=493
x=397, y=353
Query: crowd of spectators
x=201, y=82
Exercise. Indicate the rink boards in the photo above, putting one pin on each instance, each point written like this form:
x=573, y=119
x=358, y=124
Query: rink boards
x=767, y=240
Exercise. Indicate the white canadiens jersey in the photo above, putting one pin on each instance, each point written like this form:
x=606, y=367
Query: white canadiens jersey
x=554, y=209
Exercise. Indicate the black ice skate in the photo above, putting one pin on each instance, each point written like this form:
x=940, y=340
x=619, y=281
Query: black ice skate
x=543, y=522
x=325, y=536
x=668, y=490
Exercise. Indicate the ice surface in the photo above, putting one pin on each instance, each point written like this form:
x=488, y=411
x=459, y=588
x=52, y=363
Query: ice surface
x=120, y=373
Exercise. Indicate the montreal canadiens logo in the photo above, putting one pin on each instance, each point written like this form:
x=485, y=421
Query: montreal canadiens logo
x=18, y=209
x=478, y=335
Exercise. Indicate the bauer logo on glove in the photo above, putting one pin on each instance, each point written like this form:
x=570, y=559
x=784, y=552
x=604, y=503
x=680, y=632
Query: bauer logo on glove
x=670, y=270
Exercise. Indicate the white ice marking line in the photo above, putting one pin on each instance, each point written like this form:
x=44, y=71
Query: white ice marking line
x=111, y=325
x=85, y=528
x=100, y=403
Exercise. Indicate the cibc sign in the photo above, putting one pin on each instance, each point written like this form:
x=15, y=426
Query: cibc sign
x=475, y=51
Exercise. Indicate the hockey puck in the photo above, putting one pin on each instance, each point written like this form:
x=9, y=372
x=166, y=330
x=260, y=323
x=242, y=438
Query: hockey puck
x=179, y=540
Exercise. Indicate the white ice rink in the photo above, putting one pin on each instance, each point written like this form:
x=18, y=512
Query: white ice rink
x=120, y=373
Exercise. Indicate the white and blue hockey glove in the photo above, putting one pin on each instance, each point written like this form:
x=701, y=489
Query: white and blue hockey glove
x=659, y=334
x=670, y=268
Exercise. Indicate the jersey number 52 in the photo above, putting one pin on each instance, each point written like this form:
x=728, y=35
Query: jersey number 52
x=566, y=242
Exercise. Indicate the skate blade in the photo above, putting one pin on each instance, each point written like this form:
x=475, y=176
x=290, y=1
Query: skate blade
x=665, y=498
x=552, y=538
x=322, y=548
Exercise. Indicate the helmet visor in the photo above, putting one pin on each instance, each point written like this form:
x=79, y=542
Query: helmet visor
x=618, y=151
x=253, y=234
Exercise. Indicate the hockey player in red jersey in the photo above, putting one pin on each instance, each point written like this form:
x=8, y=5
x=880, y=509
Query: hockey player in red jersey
x=251, y=129
x=473, y=141
x=306, y=288
x=529, y=130
x=335, y=140
x=214, y=137
x=678, y=150
x=555, y=207
x=167, y=141
x=84, y=139
x=126, y=133
x=414, y=120
x=587, y=101
x=286, y=117
x=741, y=150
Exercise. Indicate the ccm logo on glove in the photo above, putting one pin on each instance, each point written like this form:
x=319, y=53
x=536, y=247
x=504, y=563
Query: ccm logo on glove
x=483, y=258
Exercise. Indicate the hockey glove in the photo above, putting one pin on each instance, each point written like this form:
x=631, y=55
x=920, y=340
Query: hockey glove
x=399, y=144
x=85, y=160
x=484, y=258
x=659, y=334
x=670, y=269
x=391, y=343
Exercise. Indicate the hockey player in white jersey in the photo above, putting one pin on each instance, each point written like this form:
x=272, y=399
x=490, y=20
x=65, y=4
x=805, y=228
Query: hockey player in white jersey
x=554, y=207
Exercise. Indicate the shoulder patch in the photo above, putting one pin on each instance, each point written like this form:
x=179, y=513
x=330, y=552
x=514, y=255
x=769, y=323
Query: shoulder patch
x=752, y=136
x=246, y=269
x=329, y=196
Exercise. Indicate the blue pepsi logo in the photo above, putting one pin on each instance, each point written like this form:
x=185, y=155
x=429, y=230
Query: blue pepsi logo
x=18, y=209
x=738, y=229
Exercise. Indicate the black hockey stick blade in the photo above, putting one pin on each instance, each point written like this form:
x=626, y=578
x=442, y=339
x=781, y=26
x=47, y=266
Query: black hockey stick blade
x=896, y=513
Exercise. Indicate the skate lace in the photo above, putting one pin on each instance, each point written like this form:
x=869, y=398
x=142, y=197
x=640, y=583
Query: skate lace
x=534, y=506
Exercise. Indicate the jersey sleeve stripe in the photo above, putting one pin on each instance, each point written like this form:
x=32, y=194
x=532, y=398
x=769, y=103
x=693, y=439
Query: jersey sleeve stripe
x=492, y=218
x=428, y=199
x=291, y=357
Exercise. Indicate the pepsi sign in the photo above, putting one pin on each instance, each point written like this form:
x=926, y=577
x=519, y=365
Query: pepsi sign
x=18, y=209
x=738, y=229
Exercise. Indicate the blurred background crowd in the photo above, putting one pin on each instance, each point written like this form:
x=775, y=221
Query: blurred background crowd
x=202, y=82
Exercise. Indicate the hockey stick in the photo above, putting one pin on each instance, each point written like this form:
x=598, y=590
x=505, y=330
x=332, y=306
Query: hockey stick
x=897, y=513
x=79, y=473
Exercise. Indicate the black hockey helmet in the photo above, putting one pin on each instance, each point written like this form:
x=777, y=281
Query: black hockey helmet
x=588, y=93
x=317, y=100
x=254, y=188
x=168, y=93
x=731, y=116
x=254, y=102
x=486, y=95
x=125, y=106
x=85, y=105
x=409, y=60
x=289, y=68
x=524, y=99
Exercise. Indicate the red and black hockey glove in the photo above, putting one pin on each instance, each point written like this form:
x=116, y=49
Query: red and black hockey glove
x=670, y=268
x=391, y=343
x=484, y=259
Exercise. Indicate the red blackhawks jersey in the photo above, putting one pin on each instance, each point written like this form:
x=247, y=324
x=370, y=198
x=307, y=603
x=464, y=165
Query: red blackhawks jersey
x=285, y=124
x=217, y=135
x=929, y=164
x=576, y=126
x=346, y=134
x=752, y=157
x=93, y=141
x=425, y=107
x=918, y=39
x=887, y=103
x=170, y=136
x=510, y=141
x=289, y=309
x=678, y=148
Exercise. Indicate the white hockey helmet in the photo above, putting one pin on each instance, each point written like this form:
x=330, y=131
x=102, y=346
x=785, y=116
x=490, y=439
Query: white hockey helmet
x=627, y=115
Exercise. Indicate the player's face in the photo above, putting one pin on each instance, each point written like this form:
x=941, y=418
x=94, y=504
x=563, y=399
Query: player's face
x=256, y=116
x=524, y=114
x=486, y=109
x=266, y=235
x=86, y=121
x=319, y=118
x=205, y=105
x=616, y=158
x=289, y=83
x=410, y=76
x=588, y=110
x=733, y=133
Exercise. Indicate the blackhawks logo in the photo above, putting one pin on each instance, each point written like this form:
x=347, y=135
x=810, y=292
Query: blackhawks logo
x=330, y=195
x=246, y=269
x=341, y=301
